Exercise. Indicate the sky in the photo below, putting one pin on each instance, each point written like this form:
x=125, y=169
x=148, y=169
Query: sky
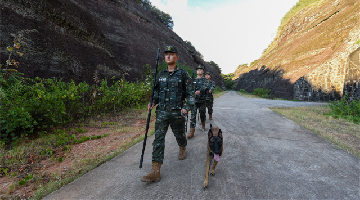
x=228, y=32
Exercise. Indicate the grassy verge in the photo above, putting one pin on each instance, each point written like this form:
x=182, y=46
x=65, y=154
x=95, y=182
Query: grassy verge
x=341, y=132
x=219, y=94
x=39, y=166
x=246, y=94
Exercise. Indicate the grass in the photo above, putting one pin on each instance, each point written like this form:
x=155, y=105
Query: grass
x=31, y=169
x=341, y=132
x=219, y=94
x=299, y=6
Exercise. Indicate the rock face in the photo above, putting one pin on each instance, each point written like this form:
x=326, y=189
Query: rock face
x=76, y=38
x=317, y=52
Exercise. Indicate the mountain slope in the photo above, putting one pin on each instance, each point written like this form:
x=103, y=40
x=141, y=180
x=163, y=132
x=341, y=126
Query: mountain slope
x=77, y=38
x=313, y=48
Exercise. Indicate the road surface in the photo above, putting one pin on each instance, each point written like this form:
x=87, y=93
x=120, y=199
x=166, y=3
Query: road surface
x=266, y=156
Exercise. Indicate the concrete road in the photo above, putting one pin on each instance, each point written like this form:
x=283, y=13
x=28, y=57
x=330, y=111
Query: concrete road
x=266, y=156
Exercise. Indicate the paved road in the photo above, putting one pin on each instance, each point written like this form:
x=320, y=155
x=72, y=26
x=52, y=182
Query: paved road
x=266, y=156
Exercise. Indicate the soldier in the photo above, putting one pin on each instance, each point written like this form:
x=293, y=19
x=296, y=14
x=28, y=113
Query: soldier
x=209, y=96
x=200, y=93
x=174, y=95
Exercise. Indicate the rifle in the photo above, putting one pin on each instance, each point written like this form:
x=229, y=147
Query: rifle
x=149, y=115
x=187, y=117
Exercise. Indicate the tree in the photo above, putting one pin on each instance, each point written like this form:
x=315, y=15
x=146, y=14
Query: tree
x=196, y=51
x=229, y=83
x=216, y=66
x=163, y=17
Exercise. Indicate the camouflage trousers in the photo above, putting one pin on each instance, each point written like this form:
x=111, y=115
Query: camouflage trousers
x=164, y=118
x=209, y=105
x=202, y=110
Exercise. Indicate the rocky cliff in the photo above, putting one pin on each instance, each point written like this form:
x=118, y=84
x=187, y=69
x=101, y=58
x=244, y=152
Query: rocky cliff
x=315, y=53
x=74, y=38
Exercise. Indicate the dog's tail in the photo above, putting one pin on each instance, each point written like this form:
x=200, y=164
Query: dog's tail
x=210, y=125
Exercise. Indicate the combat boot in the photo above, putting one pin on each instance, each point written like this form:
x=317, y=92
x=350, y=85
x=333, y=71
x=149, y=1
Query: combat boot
x=210, y=116
x=182, y=153
x=203, y=125
x=154, y=175
x=191, y=134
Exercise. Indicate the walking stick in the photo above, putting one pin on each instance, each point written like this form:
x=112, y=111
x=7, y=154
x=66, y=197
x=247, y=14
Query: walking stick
x=149, y=115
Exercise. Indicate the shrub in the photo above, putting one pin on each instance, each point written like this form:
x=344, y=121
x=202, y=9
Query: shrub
x=217, y=89
x=345, y=108
x=261, y=91
x=27, y=105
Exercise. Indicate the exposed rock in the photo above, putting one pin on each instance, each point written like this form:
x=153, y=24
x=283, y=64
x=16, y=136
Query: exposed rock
x=75, y=37
x=315, y=47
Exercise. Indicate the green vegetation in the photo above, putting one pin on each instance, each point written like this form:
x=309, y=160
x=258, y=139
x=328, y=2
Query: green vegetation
x=163, y=17
x=299, y=6
x=30, y=105
x=262, y=92
x=196, y=51
x=217, y=90
x=216, y=66
x=229, y=83
x=346, y=108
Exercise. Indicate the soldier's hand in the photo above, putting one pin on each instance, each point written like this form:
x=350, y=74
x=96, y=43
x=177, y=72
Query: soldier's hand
x=184, y=111
x=197, y=92
x=151, y=107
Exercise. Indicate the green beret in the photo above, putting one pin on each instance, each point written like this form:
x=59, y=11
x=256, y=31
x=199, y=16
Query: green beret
x=207, y=73
x=173, y=49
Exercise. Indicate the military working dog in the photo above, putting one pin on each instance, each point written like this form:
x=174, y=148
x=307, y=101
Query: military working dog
x=214, y=151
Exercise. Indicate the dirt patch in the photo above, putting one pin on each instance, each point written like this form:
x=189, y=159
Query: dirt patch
x=69, y=160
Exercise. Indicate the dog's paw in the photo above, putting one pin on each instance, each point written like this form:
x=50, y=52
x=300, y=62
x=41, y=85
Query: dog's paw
x=206, y=183
x=212, y=173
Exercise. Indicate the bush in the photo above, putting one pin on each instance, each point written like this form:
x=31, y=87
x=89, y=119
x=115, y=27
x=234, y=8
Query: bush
x=27, y=105
x=217, y=89
x=261, y=92
x=345, y=108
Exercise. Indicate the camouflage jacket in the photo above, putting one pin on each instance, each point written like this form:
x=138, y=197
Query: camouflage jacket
x=173, y=90
x=211, y=86
x=200, y=85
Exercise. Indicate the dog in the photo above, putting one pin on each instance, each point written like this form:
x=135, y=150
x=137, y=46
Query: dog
x=214, y=151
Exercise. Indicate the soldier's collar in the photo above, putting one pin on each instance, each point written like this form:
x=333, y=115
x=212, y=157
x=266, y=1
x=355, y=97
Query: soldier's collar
x=176, y=68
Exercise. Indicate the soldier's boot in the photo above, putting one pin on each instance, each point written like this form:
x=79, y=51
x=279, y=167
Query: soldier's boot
x=210, y=116
x=203, y=125
x=182, y=153
x=154, y=175
x=191, y=134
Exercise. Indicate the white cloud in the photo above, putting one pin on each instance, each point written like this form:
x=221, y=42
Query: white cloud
x=228, y=34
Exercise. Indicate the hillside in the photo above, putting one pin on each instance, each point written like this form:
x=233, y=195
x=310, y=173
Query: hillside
x=73, y=39
x=314, y=56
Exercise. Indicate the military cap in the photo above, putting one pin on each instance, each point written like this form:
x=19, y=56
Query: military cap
x=173, y=49
x=207, y=73
x=200, y=67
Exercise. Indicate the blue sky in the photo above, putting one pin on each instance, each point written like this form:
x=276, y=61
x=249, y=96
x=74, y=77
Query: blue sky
x=228, y=32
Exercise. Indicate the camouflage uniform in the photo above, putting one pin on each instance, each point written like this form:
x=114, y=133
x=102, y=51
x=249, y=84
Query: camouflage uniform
x=209, y=96
x=173, y=92
x=200, y=102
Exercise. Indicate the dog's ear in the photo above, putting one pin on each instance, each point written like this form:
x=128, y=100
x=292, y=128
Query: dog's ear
x=220, y=133
x=210, y=134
